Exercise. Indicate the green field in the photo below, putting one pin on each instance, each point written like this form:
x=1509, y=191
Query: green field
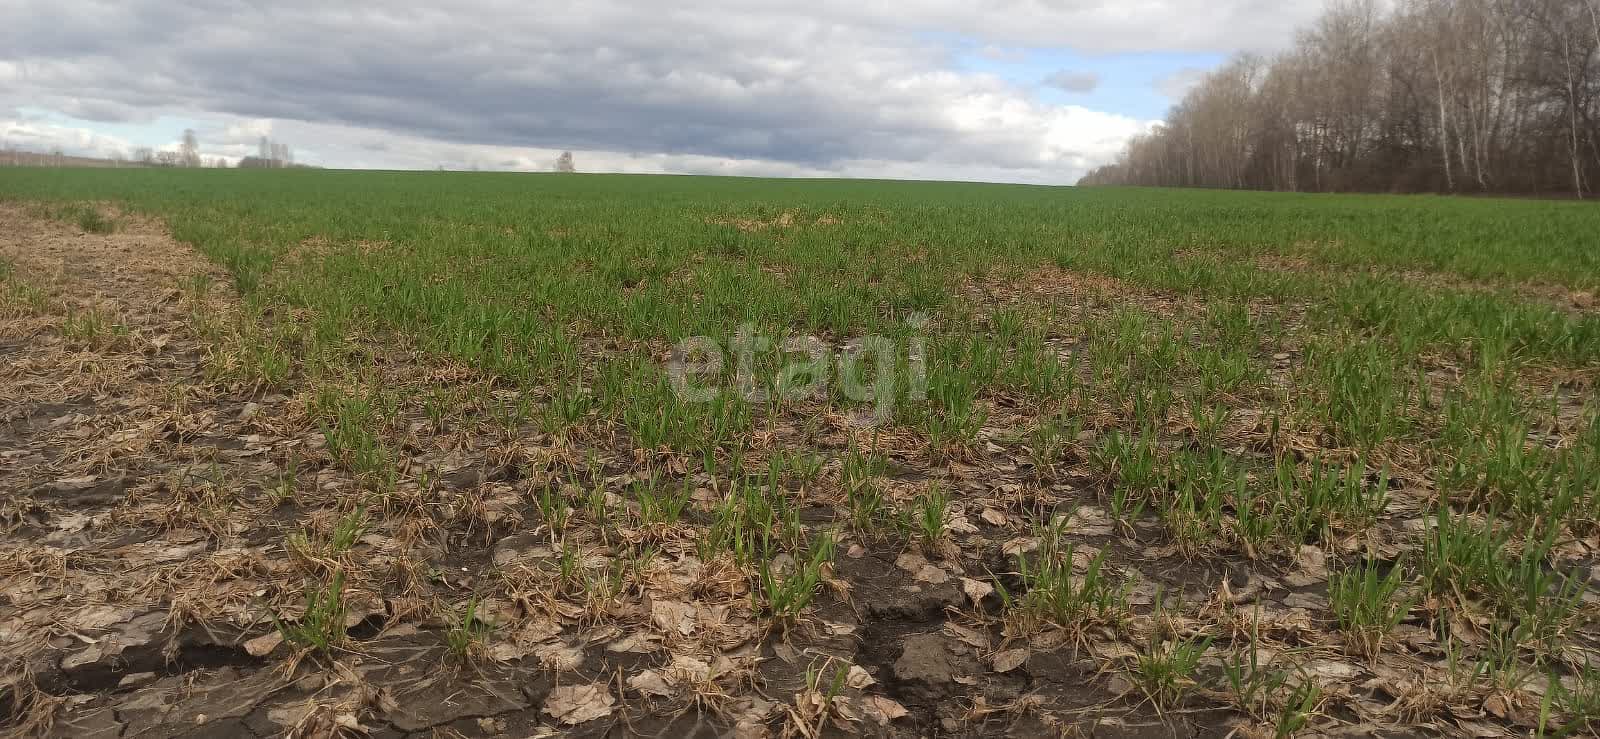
x=512, y=272
x=1227, y=387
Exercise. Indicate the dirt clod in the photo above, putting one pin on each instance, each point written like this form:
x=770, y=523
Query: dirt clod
x=929, y=665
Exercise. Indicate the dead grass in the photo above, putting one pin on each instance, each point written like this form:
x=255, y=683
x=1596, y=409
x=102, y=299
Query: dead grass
x=478, y=574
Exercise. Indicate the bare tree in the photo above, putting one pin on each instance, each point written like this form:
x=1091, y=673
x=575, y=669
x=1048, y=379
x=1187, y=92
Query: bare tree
x=189, y=149
x=1441, y=23
x=278, y=154
x=1423, y=95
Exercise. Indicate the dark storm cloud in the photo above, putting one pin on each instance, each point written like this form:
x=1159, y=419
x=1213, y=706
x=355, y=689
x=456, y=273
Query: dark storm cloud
x=745, y=81
x=468, y=80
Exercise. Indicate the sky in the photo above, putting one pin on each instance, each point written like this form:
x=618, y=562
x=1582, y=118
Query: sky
x=1036, y=91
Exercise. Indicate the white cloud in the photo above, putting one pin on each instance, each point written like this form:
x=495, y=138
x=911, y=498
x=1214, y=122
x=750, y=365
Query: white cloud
x=17, y=133
x=1008, y=54
x=1088, y=25
x=1179, y=83
x=247, y=132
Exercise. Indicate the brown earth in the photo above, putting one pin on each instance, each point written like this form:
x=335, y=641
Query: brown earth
x=149, y=555
x=165, y=524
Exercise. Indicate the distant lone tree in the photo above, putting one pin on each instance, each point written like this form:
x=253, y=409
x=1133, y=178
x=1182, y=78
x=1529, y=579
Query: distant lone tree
x=190, y=149
x=564, y=162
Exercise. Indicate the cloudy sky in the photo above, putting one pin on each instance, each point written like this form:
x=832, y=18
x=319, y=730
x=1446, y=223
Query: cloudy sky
x=1003, y=90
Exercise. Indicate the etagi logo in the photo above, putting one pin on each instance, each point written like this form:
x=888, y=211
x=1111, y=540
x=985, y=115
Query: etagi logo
x=872, y=369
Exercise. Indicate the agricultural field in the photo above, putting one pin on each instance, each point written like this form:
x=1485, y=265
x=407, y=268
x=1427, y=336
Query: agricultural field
x=321, y=453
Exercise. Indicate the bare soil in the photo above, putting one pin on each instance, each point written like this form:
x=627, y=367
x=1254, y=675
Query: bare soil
x=144, y=565
x=162, y=525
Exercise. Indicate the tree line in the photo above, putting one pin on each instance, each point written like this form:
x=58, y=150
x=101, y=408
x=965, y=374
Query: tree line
x=270, y=155
x=187, y=154
x=273, y=155
x=1494, y=96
